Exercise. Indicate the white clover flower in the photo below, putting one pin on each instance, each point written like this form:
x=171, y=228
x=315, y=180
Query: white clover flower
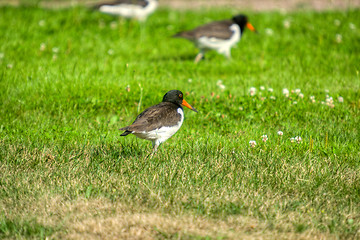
x=252, y=143
x=190, y=80
x=301, y=95
x=340, y=99
x=352, y=26
x=41, y=23
x=220, y=84
x=9, y=65
x=295, y=102
x=42, y=47
x=270, y=89
x=286, y=23
x=337, y=22
x=292, y=140
x=55, y=49
x=262, y=88
x=272, y=97
x=297, y=90
x=298, y=139
x=127, y=88
x=241, y=108
x=329, y=100
x=280, y=133
x=264, y=138
x=110, y=52
x=338, y=38
x=326, y=90
x=285, y=91
x=252, y=91
x=269, y=31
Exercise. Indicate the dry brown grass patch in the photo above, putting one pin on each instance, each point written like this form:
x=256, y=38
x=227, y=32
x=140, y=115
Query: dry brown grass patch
x=102, y=219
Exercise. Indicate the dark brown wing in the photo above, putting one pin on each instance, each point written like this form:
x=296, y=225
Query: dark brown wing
x=162, y=114
x=141, y=3
x=219, y=29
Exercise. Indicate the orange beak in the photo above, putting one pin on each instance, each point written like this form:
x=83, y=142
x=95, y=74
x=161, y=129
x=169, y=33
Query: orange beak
x=251, y=27
x=184, y=103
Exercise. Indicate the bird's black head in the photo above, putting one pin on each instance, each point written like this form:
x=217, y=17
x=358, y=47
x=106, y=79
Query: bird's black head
x=176, y=96
x=242, y=21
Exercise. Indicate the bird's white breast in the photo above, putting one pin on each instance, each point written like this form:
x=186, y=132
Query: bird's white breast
x=220, y=45
x=130, y=10
x=163, y=133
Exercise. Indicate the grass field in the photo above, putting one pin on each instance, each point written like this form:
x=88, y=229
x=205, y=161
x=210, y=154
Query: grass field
x=69, y=79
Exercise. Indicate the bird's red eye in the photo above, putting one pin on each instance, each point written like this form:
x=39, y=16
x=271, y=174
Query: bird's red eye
x=180, y=95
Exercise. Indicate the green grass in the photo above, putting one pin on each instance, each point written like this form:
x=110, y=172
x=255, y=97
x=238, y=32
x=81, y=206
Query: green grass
x=23, y=229
x=64, y=166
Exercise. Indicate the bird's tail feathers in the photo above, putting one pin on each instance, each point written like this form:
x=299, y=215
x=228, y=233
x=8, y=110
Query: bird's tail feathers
x=126, y=129
x=125, y=133
x=186, y=35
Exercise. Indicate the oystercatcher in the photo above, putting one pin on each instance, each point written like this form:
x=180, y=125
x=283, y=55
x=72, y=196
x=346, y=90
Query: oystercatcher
x=138, y=9
x=159, y=122
x=219, y=35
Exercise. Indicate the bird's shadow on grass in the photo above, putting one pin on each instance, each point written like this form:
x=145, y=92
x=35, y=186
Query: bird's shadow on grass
x=118, y=151
x=130, y=150
x=129, y=153
x=166, y=58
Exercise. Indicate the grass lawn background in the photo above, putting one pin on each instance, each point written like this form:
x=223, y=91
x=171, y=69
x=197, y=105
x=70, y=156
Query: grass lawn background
x=71, y=78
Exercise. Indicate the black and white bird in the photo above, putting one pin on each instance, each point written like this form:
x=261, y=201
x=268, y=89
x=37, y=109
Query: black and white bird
x=137, y=9
x=220, y=36
x=159, y=122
